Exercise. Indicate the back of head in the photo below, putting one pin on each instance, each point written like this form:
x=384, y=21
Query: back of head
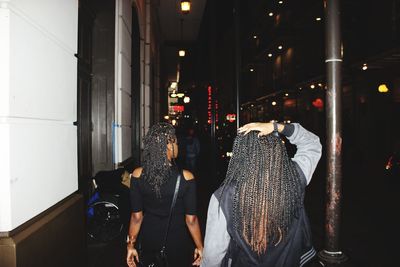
x=267, y=190
x=156, y=167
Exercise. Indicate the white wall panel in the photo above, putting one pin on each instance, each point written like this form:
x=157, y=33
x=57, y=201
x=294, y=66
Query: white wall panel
x=126, y=150
x=5, y=199
x=4, y=60
x=123, y=149
x=125, y=41
x=43, y=75
x=38, y=97
x=126, y=14
x=43, y=167
x=126, y=113
x=126, y=76
x=57, y=18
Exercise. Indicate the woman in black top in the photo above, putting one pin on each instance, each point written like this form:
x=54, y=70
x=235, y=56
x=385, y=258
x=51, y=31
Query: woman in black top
x=152, y=190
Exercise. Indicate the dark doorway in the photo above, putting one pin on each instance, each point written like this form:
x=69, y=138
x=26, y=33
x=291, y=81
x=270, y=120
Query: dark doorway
x=136, y=74
x=84, y=95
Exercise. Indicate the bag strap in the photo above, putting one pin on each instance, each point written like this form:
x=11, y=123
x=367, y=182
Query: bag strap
x=178, y=180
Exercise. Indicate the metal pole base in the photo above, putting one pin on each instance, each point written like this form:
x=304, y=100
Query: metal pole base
x=329, y=258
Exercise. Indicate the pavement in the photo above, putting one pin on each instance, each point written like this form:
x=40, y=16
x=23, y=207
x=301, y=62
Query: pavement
x=368, y=228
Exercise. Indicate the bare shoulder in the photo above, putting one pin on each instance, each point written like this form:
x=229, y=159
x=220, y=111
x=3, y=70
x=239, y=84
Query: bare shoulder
x=137, y=172
x=188, y=175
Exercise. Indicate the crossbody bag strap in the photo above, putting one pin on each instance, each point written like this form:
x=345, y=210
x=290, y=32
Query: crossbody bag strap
x=178, y=181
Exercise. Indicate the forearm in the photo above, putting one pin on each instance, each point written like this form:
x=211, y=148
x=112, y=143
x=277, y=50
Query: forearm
x=194, y=229
x=308, y=152
x=134, y=227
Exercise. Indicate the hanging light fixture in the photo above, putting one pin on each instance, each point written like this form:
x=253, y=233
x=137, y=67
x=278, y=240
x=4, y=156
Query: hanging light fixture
x=182, y=53
x=185, y=6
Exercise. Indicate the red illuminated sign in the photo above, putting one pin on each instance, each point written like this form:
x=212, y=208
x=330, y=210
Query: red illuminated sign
x=318, y=103
x=178, y=108
x=209, y=105
x=231, y=117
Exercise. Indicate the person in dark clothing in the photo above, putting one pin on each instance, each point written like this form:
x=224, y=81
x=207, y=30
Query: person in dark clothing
x=257, y=216
x=152, y=190
x=192, y=150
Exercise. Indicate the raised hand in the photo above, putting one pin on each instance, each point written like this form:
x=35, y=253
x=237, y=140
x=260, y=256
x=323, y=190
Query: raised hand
x=263, y=127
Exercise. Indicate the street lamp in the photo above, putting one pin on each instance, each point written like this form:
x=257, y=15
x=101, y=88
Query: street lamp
x=185, y=6
x=383, y=88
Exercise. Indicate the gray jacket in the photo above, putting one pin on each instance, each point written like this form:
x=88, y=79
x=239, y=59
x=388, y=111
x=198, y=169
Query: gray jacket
x=217, y=238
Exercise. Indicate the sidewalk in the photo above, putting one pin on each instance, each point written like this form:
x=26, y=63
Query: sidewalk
x=368, y=226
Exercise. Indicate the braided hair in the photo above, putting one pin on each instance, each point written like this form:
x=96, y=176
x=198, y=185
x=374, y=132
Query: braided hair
x=156, y=166
x=267, y=190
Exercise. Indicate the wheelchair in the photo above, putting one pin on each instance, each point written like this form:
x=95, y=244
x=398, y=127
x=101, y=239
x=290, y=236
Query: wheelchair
x=108, y=209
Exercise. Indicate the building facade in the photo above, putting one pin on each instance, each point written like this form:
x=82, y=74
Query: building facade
x=79, y=87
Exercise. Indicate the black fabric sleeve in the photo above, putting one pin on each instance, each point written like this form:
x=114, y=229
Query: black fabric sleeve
x=189, y=198
x=288, y=130
x=136, y=196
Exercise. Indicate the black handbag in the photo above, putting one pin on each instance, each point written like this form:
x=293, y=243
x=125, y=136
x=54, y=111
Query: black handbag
x=159, y=258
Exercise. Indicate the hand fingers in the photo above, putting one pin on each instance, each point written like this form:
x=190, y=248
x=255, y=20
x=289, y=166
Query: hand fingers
x=130, y=262
x=137, y=258
x=245, y=127
x=244, y=130
x=196, y=262
x=241, y=129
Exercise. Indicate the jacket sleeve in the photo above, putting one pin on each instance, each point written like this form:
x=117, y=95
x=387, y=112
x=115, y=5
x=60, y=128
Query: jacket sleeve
x=217, y=239
x=309, y=148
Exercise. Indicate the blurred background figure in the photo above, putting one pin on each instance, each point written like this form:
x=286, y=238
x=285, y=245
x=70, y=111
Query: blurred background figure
x=192, y=150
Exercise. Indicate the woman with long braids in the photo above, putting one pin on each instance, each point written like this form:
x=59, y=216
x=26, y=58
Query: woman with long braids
x=152, y=190
x=257, y=217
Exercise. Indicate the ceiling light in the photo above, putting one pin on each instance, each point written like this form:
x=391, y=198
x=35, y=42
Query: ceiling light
x=182, y=53
x=255, y=36
x=286, y=94
x=270, y=14
x=185, y=6
x=312, y=86
x=318, y=19
x=280, y=2
x=273, y=103
x=280, y=47
x=251, y=69
x=365, y=67
x=269, y=55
